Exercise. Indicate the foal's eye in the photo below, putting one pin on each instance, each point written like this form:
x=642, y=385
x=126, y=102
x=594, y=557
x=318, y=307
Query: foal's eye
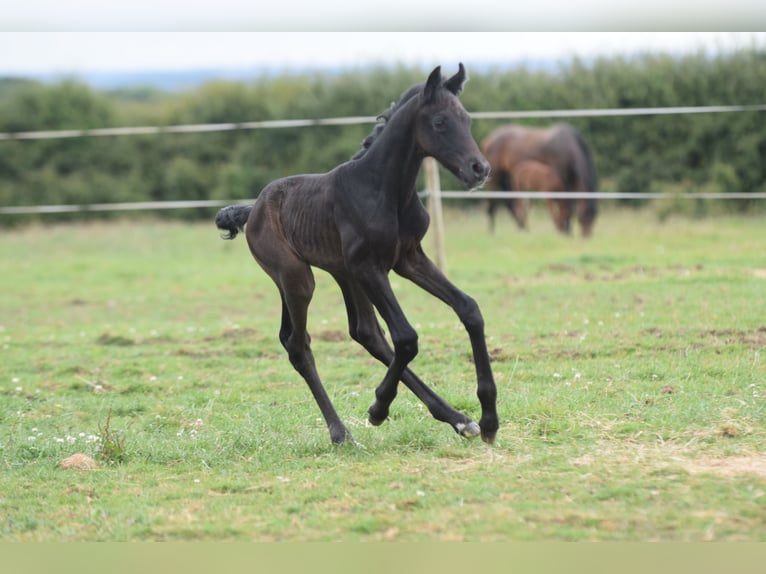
x=439, y=122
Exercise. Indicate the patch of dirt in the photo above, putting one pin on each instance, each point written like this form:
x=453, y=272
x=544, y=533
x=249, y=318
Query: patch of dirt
x=114, y=340
x=729, y=466
x=755, y=338
x=331, y=336
x=713, y=337
x=606, y=273
x=669, y=457
x=233, y=333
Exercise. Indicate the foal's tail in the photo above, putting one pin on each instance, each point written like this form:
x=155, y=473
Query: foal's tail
x=232, y=219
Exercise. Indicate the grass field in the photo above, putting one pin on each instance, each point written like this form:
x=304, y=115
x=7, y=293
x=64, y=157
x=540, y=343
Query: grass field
x=630, y=372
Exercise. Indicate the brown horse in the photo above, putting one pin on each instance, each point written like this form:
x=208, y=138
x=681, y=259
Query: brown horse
x=560, y=147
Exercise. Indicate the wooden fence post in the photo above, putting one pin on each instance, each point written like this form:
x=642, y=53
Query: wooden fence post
x=435, y=210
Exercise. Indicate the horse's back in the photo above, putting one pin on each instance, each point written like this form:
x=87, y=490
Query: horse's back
x=508, y=145
x=533, y=175
x=298, y=211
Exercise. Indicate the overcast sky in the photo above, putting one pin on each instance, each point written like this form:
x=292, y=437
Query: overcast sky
x=73, y=52
x=383, y=15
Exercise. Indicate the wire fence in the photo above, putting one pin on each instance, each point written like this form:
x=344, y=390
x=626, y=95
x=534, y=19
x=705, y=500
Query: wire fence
x=471, y=195
x=354, y=120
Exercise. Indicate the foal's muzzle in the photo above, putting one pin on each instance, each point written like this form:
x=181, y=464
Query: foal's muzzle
x=476, y=174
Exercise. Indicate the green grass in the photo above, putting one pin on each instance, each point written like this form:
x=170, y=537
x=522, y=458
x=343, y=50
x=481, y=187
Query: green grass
x=630, y=372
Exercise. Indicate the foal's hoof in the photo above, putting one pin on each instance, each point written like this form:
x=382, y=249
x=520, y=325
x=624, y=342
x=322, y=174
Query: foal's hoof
x=374, y=418
x=488, y=436
x=341, y=436
x=376, y=422
x=469, y=430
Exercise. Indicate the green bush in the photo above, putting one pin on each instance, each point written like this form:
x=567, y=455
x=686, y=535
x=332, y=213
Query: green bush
x=718, y=151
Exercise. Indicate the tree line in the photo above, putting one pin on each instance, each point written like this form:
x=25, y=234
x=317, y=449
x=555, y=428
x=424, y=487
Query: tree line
x=720, y=152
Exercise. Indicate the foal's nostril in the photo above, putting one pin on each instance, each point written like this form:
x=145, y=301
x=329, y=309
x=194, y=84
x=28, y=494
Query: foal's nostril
x=480, y=168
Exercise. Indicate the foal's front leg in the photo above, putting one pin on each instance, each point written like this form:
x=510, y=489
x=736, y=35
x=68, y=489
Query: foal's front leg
x=418, y=268
x=377, y=289
x=365, y=329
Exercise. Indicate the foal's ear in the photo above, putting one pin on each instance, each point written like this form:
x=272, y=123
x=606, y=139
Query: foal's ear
x=455, y=83
x=433, y=83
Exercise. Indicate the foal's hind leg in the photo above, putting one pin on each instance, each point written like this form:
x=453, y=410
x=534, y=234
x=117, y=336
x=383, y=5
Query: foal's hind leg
x=365, y=329
x=296, y=289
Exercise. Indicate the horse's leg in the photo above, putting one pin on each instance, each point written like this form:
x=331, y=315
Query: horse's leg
x=418, y=268
x=505, y=181
x=365, y=329
x=565, y=216
x=295, y=281
x=562, y=215
x=553, y=209
x=521, y=212
x=296, y=287
x=491, y=208
x=377, y=289
x=585, y=216
x=501, y=180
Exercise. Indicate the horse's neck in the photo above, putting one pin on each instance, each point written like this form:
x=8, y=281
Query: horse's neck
x=393, y=161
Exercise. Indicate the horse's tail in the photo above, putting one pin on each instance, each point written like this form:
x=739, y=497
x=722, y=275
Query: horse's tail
x=586, y=169
x=587, y=180
x=232, y=219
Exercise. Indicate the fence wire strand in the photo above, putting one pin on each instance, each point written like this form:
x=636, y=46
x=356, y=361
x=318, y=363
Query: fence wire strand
x=352, y=120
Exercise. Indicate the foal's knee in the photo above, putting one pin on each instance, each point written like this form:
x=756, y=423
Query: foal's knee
x=470, y=315
x=298, y=350
x=406, y=346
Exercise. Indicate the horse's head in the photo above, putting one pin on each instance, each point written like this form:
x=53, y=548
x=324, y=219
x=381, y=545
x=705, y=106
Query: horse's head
x=443, y=129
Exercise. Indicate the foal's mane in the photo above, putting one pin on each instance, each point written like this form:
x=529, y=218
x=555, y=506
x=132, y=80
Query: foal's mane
x=385, y=117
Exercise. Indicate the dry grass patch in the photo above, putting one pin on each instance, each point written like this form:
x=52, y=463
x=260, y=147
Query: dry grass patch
x=754, y=464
